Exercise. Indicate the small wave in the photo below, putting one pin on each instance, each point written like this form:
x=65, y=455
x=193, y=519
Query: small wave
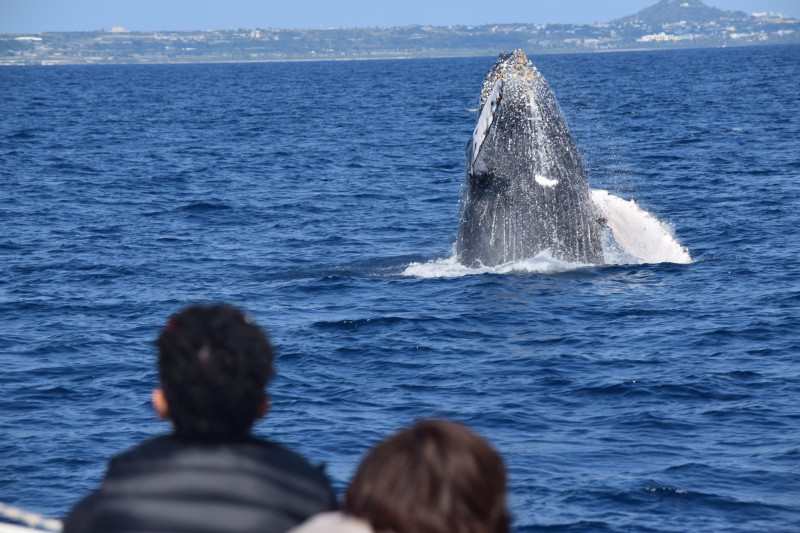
x=202, y=207
x=23, y=134
x=542, y=263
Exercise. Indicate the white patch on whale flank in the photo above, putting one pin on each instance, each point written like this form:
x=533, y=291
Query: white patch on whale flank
x=545, y=182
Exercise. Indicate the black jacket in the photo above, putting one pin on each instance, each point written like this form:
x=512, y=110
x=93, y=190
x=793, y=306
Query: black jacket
x=170, y=485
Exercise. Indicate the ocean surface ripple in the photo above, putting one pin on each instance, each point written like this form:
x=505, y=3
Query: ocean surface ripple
x=323, y=198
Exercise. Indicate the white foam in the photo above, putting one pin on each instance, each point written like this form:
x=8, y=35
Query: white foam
x=637, y=232
x=545, y=182
x=543, y=263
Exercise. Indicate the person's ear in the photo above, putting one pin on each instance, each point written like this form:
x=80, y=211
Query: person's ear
x=264, y=407
x=160, y=404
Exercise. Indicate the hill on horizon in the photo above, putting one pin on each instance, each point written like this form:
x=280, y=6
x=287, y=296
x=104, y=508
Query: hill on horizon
x=671, y=11
x=665, y=24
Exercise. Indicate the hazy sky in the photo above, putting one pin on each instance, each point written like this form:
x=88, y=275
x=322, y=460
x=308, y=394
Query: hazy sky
x=34, y=16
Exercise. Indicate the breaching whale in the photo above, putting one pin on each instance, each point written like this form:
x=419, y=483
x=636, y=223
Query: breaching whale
x=525, y=191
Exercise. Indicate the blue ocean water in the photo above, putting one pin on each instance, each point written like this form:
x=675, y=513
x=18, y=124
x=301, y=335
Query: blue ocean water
x=634, y=397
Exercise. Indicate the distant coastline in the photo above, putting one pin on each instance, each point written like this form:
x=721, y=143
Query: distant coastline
x=668, y=24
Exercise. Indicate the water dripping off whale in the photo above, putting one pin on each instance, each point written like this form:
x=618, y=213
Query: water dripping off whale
x=525, y=190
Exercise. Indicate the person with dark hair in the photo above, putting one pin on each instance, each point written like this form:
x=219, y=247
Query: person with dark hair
x=210, y=474
x=435, y=477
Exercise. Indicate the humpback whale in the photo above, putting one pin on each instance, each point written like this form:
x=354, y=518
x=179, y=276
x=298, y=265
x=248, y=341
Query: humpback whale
x=525, y=190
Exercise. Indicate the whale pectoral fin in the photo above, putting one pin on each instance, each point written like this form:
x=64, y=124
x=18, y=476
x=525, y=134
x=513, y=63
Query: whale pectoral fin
x=637, y=232
x=485, y=119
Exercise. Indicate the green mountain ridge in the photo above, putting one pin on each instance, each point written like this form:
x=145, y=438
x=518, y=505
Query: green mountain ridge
x=674, y=11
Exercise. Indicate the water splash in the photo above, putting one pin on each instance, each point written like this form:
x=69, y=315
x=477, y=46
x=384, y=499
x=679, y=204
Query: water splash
x=637, y=233
x=542, y=263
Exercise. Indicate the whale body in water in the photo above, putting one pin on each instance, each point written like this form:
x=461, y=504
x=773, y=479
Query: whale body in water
x=525, y=191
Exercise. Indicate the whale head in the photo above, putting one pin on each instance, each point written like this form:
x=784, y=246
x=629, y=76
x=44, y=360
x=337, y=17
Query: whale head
x=516, y=101
x=525, y=190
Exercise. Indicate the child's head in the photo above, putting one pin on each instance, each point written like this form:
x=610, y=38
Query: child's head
x=214, y=363
x=434, y=477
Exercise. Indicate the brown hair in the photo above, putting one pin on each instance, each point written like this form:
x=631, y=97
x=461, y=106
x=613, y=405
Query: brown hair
x=434, y=477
